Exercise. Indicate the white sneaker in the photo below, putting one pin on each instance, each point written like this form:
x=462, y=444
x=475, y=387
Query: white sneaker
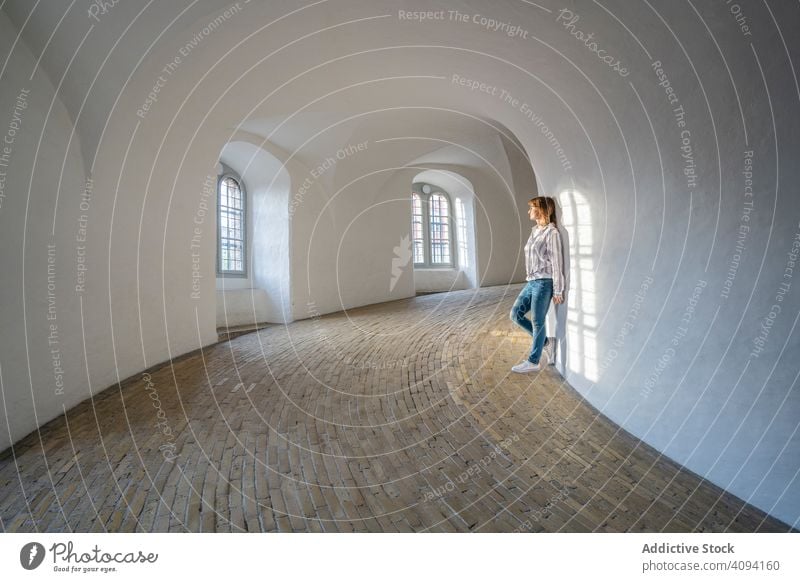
x=525, y=367
x=548, y=351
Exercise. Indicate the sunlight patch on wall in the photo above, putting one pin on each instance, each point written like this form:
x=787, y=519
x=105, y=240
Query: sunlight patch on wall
x=582, y=318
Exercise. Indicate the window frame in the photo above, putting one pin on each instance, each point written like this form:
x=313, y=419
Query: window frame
x=228, y=173
x=416, y=188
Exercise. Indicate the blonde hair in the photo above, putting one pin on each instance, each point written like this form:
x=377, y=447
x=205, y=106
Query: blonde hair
x=547, y=205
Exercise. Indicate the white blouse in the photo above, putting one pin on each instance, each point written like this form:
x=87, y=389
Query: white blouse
x=544, y=256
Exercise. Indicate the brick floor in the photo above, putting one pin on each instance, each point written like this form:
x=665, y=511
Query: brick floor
x=401, y=416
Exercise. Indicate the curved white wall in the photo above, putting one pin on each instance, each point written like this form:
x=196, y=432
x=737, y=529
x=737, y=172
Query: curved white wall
x=43, y=244
x=697, y=363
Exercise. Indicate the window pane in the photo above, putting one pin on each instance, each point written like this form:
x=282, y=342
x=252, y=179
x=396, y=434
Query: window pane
x=440, y=230
x=231, y=226
x=417, y=235
x=461, y=223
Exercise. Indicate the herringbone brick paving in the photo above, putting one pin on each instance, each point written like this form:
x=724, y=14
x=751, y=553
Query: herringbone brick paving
x=396, y=417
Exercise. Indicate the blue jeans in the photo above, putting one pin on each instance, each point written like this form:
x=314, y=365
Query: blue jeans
x=534, y=297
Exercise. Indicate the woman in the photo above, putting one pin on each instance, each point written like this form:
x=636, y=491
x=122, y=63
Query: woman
x=544, y=263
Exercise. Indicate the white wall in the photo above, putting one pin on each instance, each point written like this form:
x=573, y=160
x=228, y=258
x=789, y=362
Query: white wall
x=241, y=307
x=42, y=368
x=613, y=143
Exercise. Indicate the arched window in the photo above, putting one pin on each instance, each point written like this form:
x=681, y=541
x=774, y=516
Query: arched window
x=231, y=232
x=431, y=226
